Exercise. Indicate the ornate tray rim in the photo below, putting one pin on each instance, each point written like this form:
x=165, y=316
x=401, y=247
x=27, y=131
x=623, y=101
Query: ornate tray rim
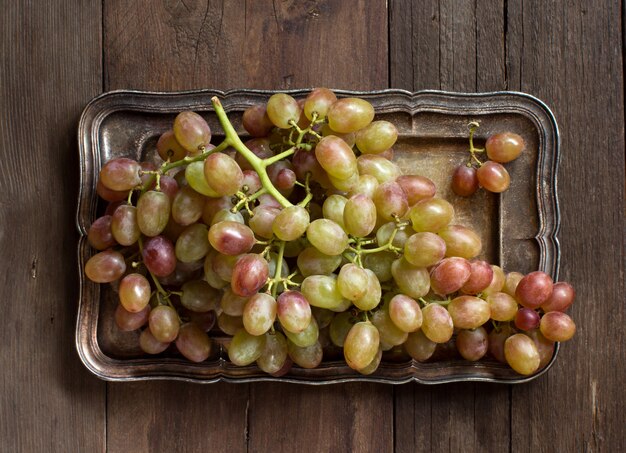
x=103, y=105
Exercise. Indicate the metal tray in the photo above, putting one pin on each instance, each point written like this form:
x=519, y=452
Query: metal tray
x=518, y=227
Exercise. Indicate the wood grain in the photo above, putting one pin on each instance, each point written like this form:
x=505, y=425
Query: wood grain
x=51, y=67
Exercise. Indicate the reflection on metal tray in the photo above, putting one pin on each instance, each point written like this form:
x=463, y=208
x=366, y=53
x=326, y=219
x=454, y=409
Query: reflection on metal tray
x=518, y=227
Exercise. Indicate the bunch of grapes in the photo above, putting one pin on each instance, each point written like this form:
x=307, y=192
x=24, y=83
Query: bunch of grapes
x=305, y=238
x=491, y=174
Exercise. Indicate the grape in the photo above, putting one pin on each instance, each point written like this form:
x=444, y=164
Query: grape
x=469, y=312
x=436, y=323
x=327, y=236
x=361, y=345
x=390, y=334
x=534, y=289
x=374, y=364
x=244, y=348
x=169, y=187
x=281, y=109
x=294, y=311
x=333, y=208
x=419, y=346
x=164, y=323
x=416, y=188
x=223, y=265
x=249, y=275
x=120, y=174
x=100, y=236
x=526, y=319
x=377, y=166
x=159, y=256
x=285, y=179
x=390, y=200
x=187, y=206
x=227, y=215
x=561, y=298
x=274, y=354
x=193, y=243
x=493, y=177
x=366, y=185
x=412, y=281
x=256, y=122
x=359, y=216
x=191, y=131
x=336, y=157
x=214, y=205
x=110, y=195
x=521, y=354
x=128, y=321
x=544, y=346
x=461, y=241
x=322, y=291
x=199, y=296
x=481, y=275
x=511, y=281
x=496, y=340
x=322, y=316
x=472, y=344
x=259, y=313
x=319, y=101
x=464, y=181
x=169, y=149
x=432, y=215
x=339, y=328
x=134, y=292
x=557, y=326
x=373, y=294
x=193, y=343
x=424, y=249
x=105, y=267
x=262, y=220
x=380, y=263
x=195, y=177
x=151, y=345
x=405, y=313
x=352, y=281
x=124, y=225
x=291, y=223
x=504, y=147
x=231, y=238
x=305, y=338
x=450, y=275
x=229, y=324
x=233, y=304
x=350, y=115
x=251, y=181
x=306, y=357
x=153, y=212
x=223, y=174
x=313, y=262
x=497, y=281
x=503, y=306
x=204, y=320
x=383, y=235
x=305, y=162
x=377, y=137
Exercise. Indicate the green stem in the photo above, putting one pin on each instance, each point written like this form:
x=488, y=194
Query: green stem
x=279, y=268
x=272, y=160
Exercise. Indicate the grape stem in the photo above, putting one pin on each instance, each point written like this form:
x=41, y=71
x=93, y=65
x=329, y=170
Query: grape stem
x=472, y=149
x=273, y=282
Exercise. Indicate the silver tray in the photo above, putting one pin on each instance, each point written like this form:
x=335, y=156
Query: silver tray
x=518, y=227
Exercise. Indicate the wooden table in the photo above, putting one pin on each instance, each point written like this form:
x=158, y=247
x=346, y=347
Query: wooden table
x=57, y=55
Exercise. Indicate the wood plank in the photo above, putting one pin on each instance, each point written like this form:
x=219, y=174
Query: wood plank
x=51, y=67
x=255, y=45
x=570, y=57
x=453, y=46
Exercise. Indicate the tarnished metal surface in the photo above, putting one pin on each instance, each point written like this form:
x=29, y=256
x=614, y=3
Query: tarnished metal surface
x=518, y=227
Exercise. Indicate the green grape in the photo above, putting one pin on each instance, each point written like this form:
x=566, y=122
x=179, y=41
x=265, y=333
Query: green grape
x=502, y=306
x=223, y=174
x=198, y=296
x=339, y=328
x=389, y=332
x=361, y=345
x=281, y=109
x=210, y=275
x=350, y=115
x=105, y=267
x=497, y=281
x=383, y=234
x=373, y=294
x=469, y=312
x=194, y=174
x=193, y=343
x=405, y=313
x=349, y=137
x=193, y=243
x=365, y=186
x=305, y=338
x=436, y=323
x=227, y=214
x=244, y=348
x=319, y=101
x=344, y=185
x=412, y=281
x=419, y=346
x=313, y=262
x=352, y=281
x=336, y=157
x=377, y=166
x=306, y=357
x=274, y=353
x=424, y=249
x=380, y=263
x=327, y=236
x=259, y=314
x=359, y=216
x=291, y=223
x=153, y=212
x=187, y=206
x=377, y=137
x=461, y=241
x=233, y=304
x=521, y=354
x=511, y=281
x=124, y=225
x=322, y=291
x=191, y=131
x=333, y=207
x=374, y=364
x=164, y=323
x=322, y=316
x=134, y=292
x=432, y=215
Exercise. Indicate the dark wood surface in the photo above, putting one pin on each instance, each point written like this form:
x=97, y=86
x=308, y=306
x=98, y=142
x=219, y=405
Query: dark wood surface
x=57, y=55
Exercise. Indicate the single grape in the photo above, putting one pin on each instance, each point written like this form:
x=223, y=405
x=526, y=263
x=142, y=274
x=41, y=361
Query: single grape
x=461, y=241
x=305, y=338
x=105, y=267
x=244, y=348
x=134, y=292
x=110, y=195
x=534, y=289
x=169, y=149
x=380, y=263
x=361, y=345
x=333, y=208
x=390, y=201
x=229, y=324
x=100, y=236
x=120, y=174
x=274, y=354
x=450, y=275
x=412, y=281
x=164, y=323
x=416, y=188
x=366, y=185
x=405, y=313
x=291, y=223
x=319, y=101
x=504, y=147
x=469, y=312
x=199, y=296
x=350, y=115
x=294, y=311
x=228, y=215
x=352, y=281
x=374, y=364
x=557, y=326
x=526, y=319
x=233, y=304
x=359, y=216
x=502, y=305
x=327, y=236
x=348, y=137
x=472, y=344
x=151, y=345
x=521, y=354
x=282, y=109
x=493, y=177
x=191, y=131
x=481, y=275
x=193, y=243
x=373, y=293
x=250, y=274
x=377, y=137
x=159, y=256
x=306, y=357
x=432, y=215
x=195, y=177
x=187, y=206
x=464, y=181
x=419, y=346
x=336, y=157
x=231, y=238
x=313, y=262
x=124, y=226
x=561, y=298
x=436, y=323
x=344, y=185
x=223, y=174
x=128, y=321
x=256, y=122
x=153, y=212
x=378, y=166
x=259, y=313
x=262, y=220
x=424, y=249
x=193, y=343
x=497, y=281
x=322, y=291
